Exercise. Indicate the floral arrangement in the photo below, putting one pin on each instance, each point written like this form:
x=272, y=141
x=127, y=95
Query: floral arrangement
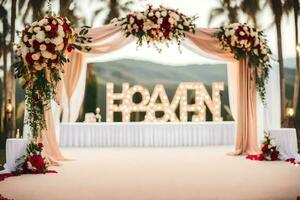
x=42, y=53
x=269, y=150
x=245, y=41
x=32, y=162
x=155, y=26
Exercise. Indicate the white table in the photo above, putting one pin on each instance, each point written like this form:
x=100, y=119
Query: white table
x=286, y=140
x=15, y=148
x=145, y=134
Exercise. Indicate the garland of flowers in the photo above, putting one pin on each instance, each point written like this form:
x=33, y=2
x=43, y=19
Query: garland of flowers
x=156, y=26
x=245, y=41
x=42, y=53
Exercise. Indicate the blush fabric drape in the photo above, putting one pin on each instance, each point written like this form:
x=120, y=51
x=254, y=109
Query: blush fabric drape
x=241, y=80
x=242, y=87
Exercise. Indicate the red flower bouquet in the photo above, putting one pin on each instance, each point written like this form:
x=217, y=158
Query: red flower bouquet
x=269, y=150
x=32, y=162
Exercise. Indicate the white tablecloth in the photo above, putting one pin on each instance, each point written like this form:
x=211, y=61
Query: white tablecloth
x=286, y=140
x=15, y=148
x=142, y=134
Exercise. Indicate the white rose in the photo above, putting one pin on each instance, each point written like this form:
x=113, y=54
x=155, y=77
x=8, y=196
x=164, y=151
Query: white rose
x=264, y=51
x=30, y=41
x=43, y=47
x=36, y=29
x=47, y=40
x=266, y=58
x=48, y=28
x=139, y=16
x=180, y=26
x=157, y=14
x=60, y=31
x=40, y=36
x=164, y=13
x=57, y=40
x=24, y=50
x=54, y=56
x=174, y=15
x=255, y=51
x=171, y=20
x=25, y=38
x=160, y=21
x=36, y=56
x=42, y=22
x=60, y=47
x=46, y=54
x=150, y=14
x=227, y=33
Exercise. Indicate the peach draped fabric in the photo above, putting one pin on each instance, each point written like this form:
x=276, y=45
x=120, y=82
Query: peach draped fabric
x=48, y=137
x=243, y=85
x=104, y=40
x=109, y=38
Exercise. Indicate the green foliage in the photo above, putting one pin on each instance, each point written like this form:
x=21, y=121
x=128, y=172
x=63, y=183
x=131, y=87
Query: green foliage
x=91, y=97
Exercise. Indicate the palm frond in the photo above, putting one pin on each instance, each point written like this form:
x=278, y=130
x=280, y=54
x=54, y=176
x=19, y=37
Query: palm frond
x=214, y=13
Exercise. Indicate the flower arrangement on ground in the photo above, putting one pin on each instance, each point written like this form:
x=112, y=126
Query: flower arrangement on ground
x=245, y=41
x=42, y=52
x=155, y=26
x=269, y=150
x=32, y=162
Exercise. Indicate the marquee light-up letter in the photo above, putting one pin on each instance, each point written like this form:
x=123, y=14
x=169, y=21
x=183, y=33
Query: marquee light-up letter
x=150, y=105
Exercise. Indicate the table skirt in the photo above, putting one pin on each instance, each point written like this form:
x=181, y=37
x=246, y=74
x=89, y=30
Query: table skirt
x=142, y=134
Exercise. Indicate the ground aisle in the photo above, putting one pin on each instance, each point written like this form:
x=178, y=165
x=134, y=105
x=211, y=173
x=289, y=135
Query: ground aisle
x=158, y=173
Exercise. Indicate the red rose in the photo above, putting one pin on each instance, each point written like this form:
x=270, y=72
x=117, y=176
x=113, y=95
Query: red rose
x=265, y=148
x=166, y=24
x=53, y=31
x=36, y=45
x=29, y=59
x=55, y=60
x=166, y=34
x=40, y=145
x=66, y=27
x=274, y=155
x=38, y=162
x=70, y=48
x=50, y=47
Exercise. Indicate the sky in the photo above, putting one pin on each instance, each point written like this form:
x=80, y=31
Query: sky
x=200, y=8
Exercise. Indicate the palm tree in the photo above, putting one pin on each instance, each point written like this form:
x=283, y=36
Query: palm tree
x=288, y=7
x=277, y=10
x=228, y=8
x=115, y=8
x=67, y=9
x=34, y=8
x=251, y=9
x=11, y=82
x=4, y=52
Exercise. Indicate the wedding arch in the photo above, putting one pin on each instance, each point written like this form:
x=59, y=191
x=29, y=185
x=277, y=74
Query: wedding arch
x=246, y=66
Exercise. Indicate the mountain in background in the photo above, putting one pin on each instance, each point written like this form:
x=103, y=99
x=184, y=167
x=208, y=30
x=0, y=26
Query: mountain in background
x=149, y=74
